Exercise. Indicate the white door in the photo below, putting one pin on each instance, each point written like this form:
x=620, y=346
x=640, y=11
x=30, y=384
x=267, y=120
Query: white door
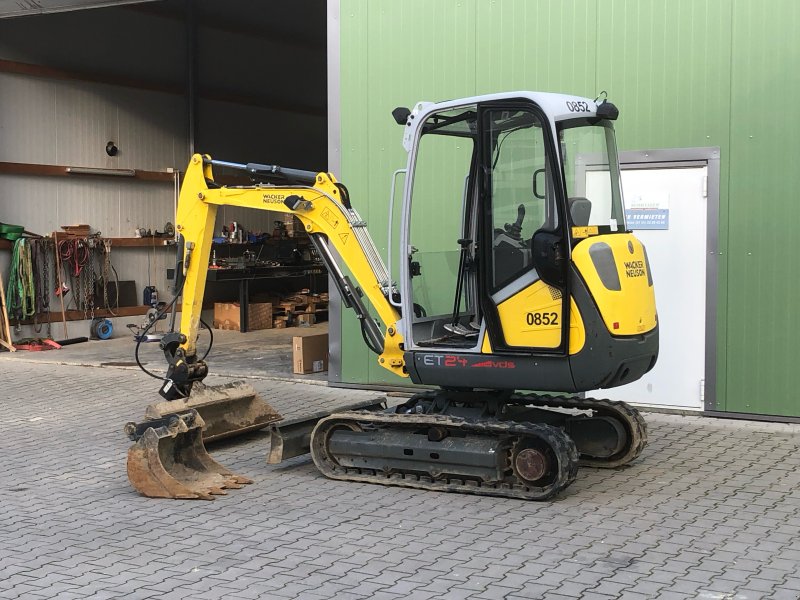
x=666, y=210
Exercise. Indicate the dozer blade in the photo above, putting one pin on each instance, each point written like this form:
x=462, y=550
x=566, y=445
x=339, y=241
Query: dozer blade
x=228, y=410
x=292, y=437
x=169, y=460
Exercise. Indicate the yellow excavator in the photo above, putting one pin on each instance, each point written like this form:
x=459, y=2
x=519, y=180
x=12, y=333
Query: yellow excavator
x=511, y=269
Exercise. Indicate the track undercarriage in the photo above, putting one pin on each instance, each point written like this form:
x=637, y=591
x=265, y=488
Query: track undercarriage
x=511, y=445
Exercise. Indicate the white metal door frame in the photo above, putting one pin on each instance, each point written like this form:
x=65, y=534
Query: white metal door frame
x=695, y=157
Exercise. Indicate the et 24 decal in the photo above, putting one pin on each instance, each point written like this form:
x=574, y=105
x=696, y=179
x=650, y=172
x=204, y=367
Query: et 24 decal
x=449, y=360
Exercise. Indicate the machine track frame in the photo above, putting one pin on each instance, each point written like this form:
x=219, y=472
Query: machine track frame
x=423, y=411
x=628, y=416
x=512, y=486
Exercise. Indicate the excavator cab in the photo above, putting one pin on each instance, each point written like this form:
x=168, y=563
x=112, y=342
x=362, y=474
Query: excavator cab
x=506, y=291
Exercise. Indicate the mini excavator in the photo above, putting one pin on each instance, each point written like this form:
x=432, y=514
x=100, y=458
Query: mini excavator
x=514, y=270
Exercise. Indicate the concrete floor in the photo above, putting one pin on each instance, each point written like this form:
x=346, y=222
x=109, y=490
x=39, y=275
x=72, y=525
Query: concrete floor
x=711, y=510
x=262, y=353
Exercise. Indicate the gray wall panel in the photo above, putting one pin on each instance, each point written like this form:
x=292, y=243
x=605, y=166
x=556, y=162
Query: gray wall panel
x=29, y=201
x=27, y=119
x=145, y=204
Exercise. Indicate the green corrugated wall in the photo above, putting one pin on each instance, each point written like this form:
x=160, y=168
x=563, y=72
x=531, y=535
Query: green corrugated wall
x=685, y=73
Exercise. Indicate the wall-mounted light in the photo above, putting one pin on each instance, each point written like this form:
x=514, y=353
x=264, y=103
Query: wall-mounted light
x=94, y=171
x=111, y=149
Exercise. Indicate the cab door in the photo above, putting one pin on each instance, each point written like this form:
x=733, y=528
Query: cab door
x=524, y=251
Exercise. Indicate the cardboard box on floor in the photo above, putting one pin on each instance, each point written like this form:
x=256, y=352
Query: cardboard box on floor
x=226, y=316
x=310, y=353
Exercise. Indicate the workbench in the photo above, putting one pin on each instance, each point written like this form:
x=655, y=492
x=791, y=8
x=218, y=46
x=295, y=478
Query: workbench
x=246, y=275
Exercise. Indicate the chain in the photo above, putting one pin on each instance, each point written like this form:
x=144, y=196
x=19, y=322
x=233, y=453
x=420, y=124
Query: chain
x=91, y=286
x=41, y=278
x=86, y=281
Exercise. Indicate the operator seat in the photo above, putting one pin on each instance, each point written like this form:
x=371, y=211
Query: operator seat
x=580, y=209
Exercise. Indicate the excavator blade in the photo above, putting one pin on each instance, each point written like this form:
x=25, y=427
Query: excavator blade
x=292, y=437
x=169, y=460
x=227, y=410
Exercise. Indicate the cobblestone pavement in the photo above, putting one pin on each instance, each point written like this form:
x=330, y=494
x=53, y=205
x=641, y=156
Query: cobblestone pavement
x=711, y=510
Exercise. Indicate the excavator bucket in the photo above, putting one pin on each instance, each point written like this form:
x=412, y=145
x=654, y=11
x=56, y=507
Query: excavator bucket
x=227, y=410
x=169, y=460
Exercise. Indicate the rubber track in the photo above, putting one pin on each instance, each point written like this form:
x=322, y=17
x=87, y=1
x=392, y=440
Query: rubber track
x=630, y=418
x=563, y=446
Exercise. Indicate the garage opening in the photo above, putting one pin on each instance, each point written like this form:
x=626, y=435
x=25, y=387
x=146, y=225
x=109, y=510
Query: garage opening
x=100, y=111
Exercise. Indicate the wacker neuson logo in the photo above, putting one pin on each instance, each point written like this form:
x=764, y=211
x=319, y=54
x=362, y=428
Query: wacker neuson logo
x=634, y=268
x=273, y=198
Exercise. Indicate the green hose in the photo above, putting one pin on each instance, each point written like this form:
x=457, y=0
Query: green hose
x=21, y=296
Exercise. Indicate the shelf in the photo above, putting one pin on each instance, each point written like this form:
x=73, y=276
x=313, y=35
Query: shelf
x=145, y=242
x=78, y=315
x=12, y=168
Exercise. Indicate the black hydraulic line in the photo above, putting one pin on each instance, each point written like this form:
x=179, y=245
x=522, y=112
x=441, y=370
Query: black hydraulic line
x=350, y=294
x=143, y=334
x=179, y=276
x=210, y=341
x=269, y=172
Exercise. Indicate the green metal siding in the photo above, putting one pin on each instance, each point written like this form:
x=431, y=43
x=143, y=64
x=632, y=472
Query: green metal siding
x=762, y=284
x=684, y=73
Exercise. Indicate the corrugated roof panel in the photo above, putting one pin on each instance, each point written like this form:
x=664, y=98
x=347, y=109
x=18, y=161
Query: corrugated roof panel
x=21, y=8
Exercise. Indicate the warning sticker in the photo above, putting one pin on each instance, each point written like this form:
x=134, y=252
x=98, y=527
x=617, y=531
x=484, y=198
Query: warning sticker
x=343, y=237
x=330, y=218
x=583, y=232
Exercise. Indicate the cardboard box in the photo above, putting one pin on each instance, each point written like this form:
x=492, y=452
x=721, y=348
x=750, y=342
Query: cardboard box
x=226, y=316
x=306, y=319
x=310, y=353
x=260, y=316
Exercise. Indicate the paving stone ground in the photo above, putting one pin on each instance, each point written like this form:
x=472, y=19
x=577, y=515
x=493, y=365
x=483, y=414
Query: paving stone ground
x=711, y=510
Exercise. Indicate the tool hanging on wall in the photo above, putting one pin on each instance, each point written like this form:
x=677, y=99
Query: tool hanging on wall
x=5, y=331
x=108, y=268
x=21, y=294
x=40, y=253
x=60, y=290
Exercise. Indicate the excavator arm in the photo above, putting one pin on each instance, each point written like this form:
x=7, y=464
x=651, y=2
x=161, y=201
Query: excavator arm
x=322, y=205
x=169, y=457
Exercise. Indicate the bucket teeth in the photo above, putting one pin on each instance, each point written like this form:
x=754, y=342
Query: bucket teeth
x=169, y=460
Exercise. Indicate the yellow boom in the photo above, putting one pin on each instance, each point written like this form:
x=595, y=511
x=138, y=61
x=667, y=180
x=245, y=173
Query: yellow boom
x=328, y=221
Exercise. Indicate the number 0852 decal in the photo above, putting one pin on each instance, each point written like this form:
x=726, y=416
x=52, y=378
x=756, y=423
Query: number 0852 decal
x=577, y=106
x=542, y=318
